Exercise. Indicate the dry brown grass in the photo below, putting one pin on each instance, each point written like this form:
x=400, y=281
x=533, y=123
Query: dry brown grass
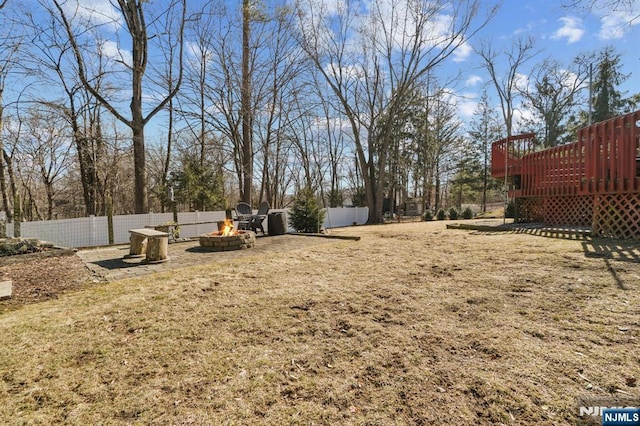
x=413, y=324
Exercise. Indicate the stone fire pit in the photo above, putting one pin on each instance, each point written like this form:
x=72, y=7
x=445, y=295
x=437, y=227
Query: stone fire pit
x=215, y=241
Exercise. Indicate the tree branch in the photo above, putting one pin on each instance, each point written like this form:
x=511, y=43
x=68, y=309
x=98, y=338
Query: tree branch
x=81, y=68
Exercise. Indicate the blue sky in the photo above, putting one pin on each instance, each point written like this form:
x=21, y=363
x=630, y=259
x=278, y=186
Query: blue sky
x=560, y=33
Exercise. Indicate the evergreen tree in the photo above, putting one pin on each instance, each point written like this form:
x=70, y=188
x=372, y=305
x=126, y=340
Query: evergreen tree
x=306, y=214
x=484, y=131
x=197, y=186
x=608, y=101
x=467, y=182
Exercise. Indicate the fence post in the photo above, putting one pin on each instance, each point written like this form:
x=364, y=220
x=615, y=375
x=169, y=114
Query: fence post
x=17, y=216
x=92, y=230
x=110, y=219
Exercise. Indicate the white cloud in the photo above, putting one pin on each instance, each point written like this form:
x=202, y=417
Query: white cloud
x=613, y=26
x=467, y=108
x=616, y=19
x=521, y=81
x=197, y=53
x=350, y=72
x=462, y=52
x=572, y=29
x=111, y=50
x=94, y=12
x=520, y=117
x=464, y=102
x=472, y=80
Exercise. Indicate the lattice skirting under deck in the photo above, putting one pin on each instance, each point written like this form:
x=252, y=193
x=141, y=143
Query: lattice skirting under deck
x=574, y=210
x=611, y=215
x=617, y=216
x=529, y=210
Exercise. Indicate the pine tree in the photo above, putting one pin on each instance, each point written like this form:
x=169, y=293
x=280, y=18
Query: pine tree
x=468, y=180
x=484, y=131
x=608, y=101
x=306, y=214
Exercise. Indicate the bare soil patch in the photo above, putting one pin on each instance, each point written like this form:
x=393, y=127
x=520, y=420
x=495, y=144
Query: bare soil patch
x=37, y=277
x=413, y=324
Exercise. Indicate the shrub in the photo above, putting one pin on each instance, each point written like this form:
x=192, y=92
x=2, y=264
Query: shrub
x=441, y=215
x=453, y=213
x=511, y=210
x=306, y=215
x=428, y=215
x=467, y=213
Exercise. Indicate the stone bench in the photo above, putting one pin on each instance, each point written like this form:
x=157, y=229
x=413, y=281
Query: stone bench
x=150, y=243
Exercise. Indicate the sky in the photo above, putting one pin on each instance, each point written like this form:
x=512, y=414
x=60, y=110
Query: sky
x=559, y=32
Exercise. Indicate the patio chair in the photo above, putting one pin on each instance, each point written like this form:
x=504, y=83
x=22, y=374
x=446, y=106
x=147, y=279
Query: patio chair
x=256, y=220
x=243, y=215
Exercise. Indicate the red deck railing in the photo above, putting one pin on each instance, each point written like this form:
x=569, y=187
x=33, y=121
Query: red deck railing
x=518, y=146
x=604, y=160
x=612, y=155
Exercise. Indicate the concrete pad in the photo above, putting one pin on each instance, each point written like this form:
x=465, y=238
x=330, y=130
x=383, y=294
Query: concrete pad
x=6, y=289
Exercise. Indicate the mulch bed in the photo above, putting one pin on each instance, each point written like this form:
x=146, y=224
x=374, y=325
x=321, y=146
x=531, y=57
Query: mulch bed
x=41, y=276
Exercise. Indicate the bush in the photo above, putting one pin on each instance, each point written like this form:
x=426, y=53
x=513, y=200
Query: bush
x=428, y=215
x=306, y=215
x=511, y=210
x=467, y=213
x=453, y=213
x=441, y=215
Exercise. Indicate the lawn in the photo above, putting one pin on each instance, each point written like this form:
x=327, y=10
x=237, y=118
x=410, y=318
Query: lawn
x=412, y=324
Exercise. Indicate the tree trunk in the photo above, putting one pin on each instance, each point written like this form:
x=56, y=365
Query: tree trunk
x=49, y=190
x=3, y=182
x=3, y=189
x=247, y=146
x=139, y=53
x=167, y=161
x=134, y=17
x=139, y=161
x=12, y=182
x=85, y=160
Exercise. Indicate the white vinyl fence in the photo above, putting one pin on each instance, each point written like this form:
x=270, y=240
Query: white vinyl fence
x=93, y=231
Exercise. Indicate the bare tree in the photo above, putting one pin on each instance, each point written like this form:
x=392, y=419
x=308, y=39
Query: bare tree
x=552, y=94
x=245, y=103
x=9, y=60
x=373, y=63
x=506, y=84
x=628, y=8
x=44, y=148
x=50, y=57
x=217, y=102
x=213, y=100
x=170, y=48
x=10, y=137
x=135, y=23
x=278, y=93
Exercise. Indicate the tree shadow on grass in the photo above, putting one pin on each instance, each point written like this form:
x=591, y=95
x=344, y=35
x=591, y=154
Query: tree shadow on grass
x=610, y=249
